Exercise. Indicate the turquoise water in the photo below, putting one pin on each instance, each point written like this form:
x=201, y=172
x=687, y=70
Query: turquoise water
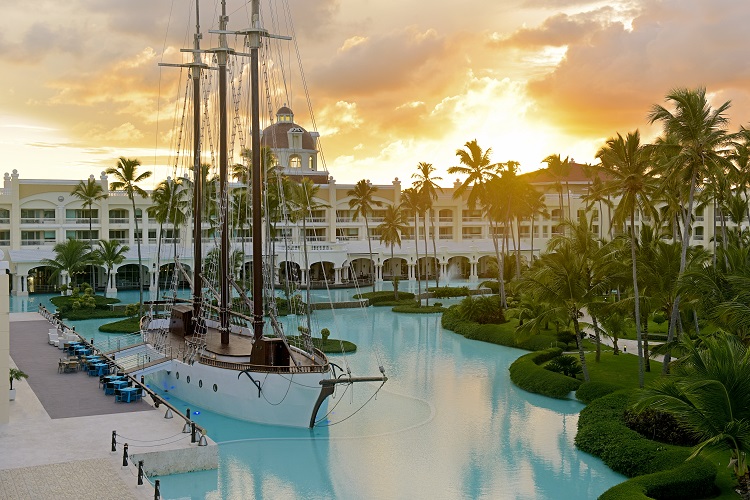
x=448, y=424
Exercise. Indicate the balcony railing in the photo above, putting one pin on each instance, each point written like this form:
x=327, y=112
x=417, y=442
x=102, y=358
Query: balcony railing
x=341, y=220
x=119, y=220
x=467, y=218
x=4, y=243
x=445, y=219
x=445, y=237
x=30, y=243
x=37, y=220
x=698, y=237
x=348, y=238
x=4, y=220
x=81, y=220
x=471, y=236
x=316, y=220
x=121, y=241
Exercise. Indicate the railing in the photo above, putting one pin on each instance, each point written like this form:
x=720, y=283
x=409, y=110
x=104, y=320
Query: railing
x=471, y=236
x=119, y=220
x=315, y=238
x=377, y=219
x=347, y=238
x=445, y=237
x=445, y=219
x=699, y=218
x=316, y=220
x=121, y=241
x=698, y=237
x=467, y=218
x=229, y=365
x=37, y=220
x=4, y=243
x=344, y=219
x=80, y=220
x=31, y=243
x=4, y=220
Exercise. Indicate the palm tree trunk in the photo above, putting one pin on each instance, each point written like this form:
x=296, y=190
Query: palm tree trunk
x=517, y=244
x=567, y=188
x=416, y=251
x=140, y=261
x=369, y=246
x=636, y=296
x=427, y=267
x=579, y=343
x=531, y=253
x=500, y=257
x=646, y=358
x=683, y=263
x=434, y=249
x=598, y=337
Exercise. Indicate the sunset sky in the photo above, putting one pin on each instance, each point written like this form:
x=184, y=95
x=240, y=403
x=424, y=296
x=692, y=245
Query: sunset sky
x=392, y=83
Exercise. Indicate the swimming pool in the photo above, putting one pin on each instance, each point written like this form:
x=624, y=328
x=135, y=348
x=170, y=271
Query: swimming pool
x=448, y=424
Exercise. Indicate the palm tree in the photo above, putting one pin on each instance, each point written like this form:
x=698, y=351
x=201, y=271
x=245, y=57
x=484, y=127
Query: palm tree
x=363, y=203
x=476, y=166
x=394, y=223
x=709, y=392
x=425, y=183
x=127, y=179
x=170, y=206
x=627, y=165
x=71, y=256
x=412, y=201
x=696, y=135
x=559, y=170
x=89, y=192
x=109, y=254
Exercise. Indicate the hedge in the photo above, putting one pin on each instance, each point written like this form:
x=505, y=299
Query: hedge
x=415, y=308
x=129, y=325
x=592, y=390
x=503, y=334
x=386, y=298
x=658, y=470
x=526, y=373
x=449, y=291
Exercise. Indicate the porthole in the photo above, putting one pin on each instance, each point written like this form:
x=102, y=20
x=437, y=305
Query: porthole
x=188, y=379
x=177, y=375
x=200, y=383
x=216, y=387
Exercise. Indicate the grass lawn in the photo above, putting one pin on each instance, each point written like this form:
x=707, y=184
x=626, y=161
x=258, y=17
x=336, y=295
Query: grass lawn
x=620, y=370
x=725, y=480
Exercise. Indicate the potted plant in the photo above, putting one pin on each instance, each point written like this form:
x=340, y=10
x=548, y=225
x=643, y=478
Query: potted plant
x=15, y=374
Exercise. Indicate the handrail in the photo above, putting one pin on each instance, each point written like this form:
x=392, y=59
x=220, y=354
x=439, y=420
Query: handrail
x=231, y=365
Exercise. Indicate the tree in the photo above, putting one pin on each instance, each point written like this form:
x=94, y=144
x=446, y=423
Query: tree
x=363, y=202
x=89, y=192
x=627, y=166
x=425, y=184
x=394, y=223
x=126, y=179
x=71, y=256
x=709, y=393
x=109, y=254
x=559, y=170
x=412, y=201
x=170, y=206
x=696, y=134
x=476, y=166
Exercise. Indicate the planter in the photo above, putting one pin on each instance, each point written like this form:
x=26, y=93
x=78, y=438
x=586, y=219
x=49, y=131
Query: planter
x=12, y=394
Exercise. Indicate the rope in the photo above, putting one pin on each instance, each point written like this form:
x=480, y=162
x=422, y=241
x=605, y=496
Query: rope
x=358, y=409
x=153, y=445
x=147, y=440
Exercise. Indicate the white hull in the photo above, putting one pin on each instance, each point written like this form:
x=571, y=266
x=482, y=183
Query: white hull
x=285, y=399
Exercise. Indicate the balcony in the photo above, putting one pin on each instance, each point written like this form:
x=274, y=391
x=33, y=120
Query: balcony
x=347, y=238
x=4, y=243
x=468, y=218
x=471, y=236
x=34, y=243
x=444, y=220
x=121, y=241
x=80, y=220
x=119, y=220
x=36, y=220
x=445, y=237
x=698, y=237
x=4, y=220
x=342, y=220
x=316, y=220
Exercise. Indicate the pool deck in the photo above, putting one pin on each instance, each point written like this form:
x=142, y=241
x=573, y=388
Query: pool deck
x=57, y=443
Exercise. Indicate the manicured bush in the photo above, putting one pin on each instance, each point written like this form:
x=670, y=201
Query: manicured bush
x=567, y=365
x=79, y=314
x=329, y=346
x=492, y=285
x=661, y=468
x=129, y=325
x=386, y=298
x=659, y=426
x=414, y=307
x=526, y=373
x=592, y=390
x=449, y=291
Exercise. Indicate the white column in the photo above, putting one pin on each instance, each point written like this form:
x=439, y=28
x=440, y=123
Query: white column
x=4, y=341
x=337, y=275
x=473, y=272
x=379, y=272
x=411, y=271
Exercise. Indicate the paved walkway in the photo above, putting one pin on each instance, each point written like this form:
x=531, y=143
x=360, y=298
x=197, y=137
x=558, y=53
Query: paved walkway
x=69, y=457
x=627, y=346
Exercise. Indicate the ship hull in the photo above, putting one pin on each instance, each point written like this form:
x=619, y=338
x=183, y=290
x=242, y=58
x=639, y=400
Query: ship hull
x=286, y=399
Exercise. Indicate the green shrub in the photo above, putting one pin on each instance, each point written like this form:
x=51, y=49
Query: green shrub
x=386, y=298
x=129, y=325
x=661, y=469
x=659, y=426
x=589, y=391
x=449, y=291
x=416, y=308
x=329, y=346
x=492, y=285
x=526, y=373
x=567, y=365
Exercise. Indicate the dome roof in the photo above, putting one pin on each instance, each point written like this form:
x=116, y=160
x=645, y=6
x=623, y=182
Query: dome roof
x=283, y=110
x=276, y=136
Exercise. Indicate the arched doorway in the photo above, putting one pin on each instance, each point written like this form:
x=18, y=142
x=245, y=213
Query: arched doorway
x=127, y=277
x=322, y=271
x=459, y=267
x=396, y=266
x=40, y=280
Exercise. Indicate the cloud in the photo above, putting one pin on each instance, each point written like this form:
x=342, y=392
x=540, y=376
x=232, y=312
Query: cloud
x=39, y=41
x=608, y=81
x=558, y=30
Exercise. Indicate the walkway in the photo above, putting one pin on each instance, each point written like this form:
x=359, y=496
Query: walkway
x=69, y=457
x=627, y=346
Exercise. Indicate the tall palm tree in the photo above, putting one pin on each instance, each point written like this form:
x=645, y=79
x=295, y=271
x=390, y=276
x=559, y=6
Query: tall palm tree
x=363, y=202
x=412, y=201
x=71, y=256
x=559, y=169
x=475, y=164
x=109, y=254
x=709, y=392
x=394, y=223
x=127, y=179
x=89, y=192
x=425, y=183
x=698, y=136
x=628, y=168
x=170, y=205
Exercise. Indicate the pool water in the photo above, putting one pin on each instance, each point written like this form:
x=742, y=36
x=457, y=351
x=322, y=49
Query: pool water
x=447, y=424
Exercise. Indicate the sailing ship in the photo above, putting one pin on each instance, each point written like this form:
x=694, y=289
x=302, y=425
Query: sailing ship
x=222, y=358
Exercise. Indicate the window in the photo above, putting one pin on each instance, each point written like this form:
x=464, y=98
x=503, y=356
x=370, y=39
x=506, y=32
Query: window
x=120, y=235
x=445, y=233
x=472, y=215
x=445, y=215
x=471, y=233
x=525, y=231
x=36, y=215
x=5, y=238
x=138, y=214
x=119, y=216
x=315, y=234
x=82, y=234
x=347, y=234
x=295, y=161
x=4, y=216
x=545, y=231
x=29, y=238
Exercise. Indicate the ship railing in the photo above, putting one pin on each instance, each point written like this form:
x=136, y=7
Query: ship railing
x=230, y=365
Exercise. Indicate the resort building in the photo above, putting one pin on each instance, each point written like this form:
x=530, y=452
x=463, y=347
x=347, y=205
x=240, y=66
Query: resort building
x=37, y=214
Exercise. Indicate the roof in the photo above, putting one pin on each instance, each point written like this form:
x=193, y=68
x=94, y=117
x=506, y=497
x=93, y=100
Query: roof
x=276, y=136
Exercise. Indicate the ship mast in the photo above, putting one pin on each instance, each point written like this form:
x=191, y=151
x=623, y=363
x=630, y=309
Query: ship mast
x=254, y=44
x=224, y=298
